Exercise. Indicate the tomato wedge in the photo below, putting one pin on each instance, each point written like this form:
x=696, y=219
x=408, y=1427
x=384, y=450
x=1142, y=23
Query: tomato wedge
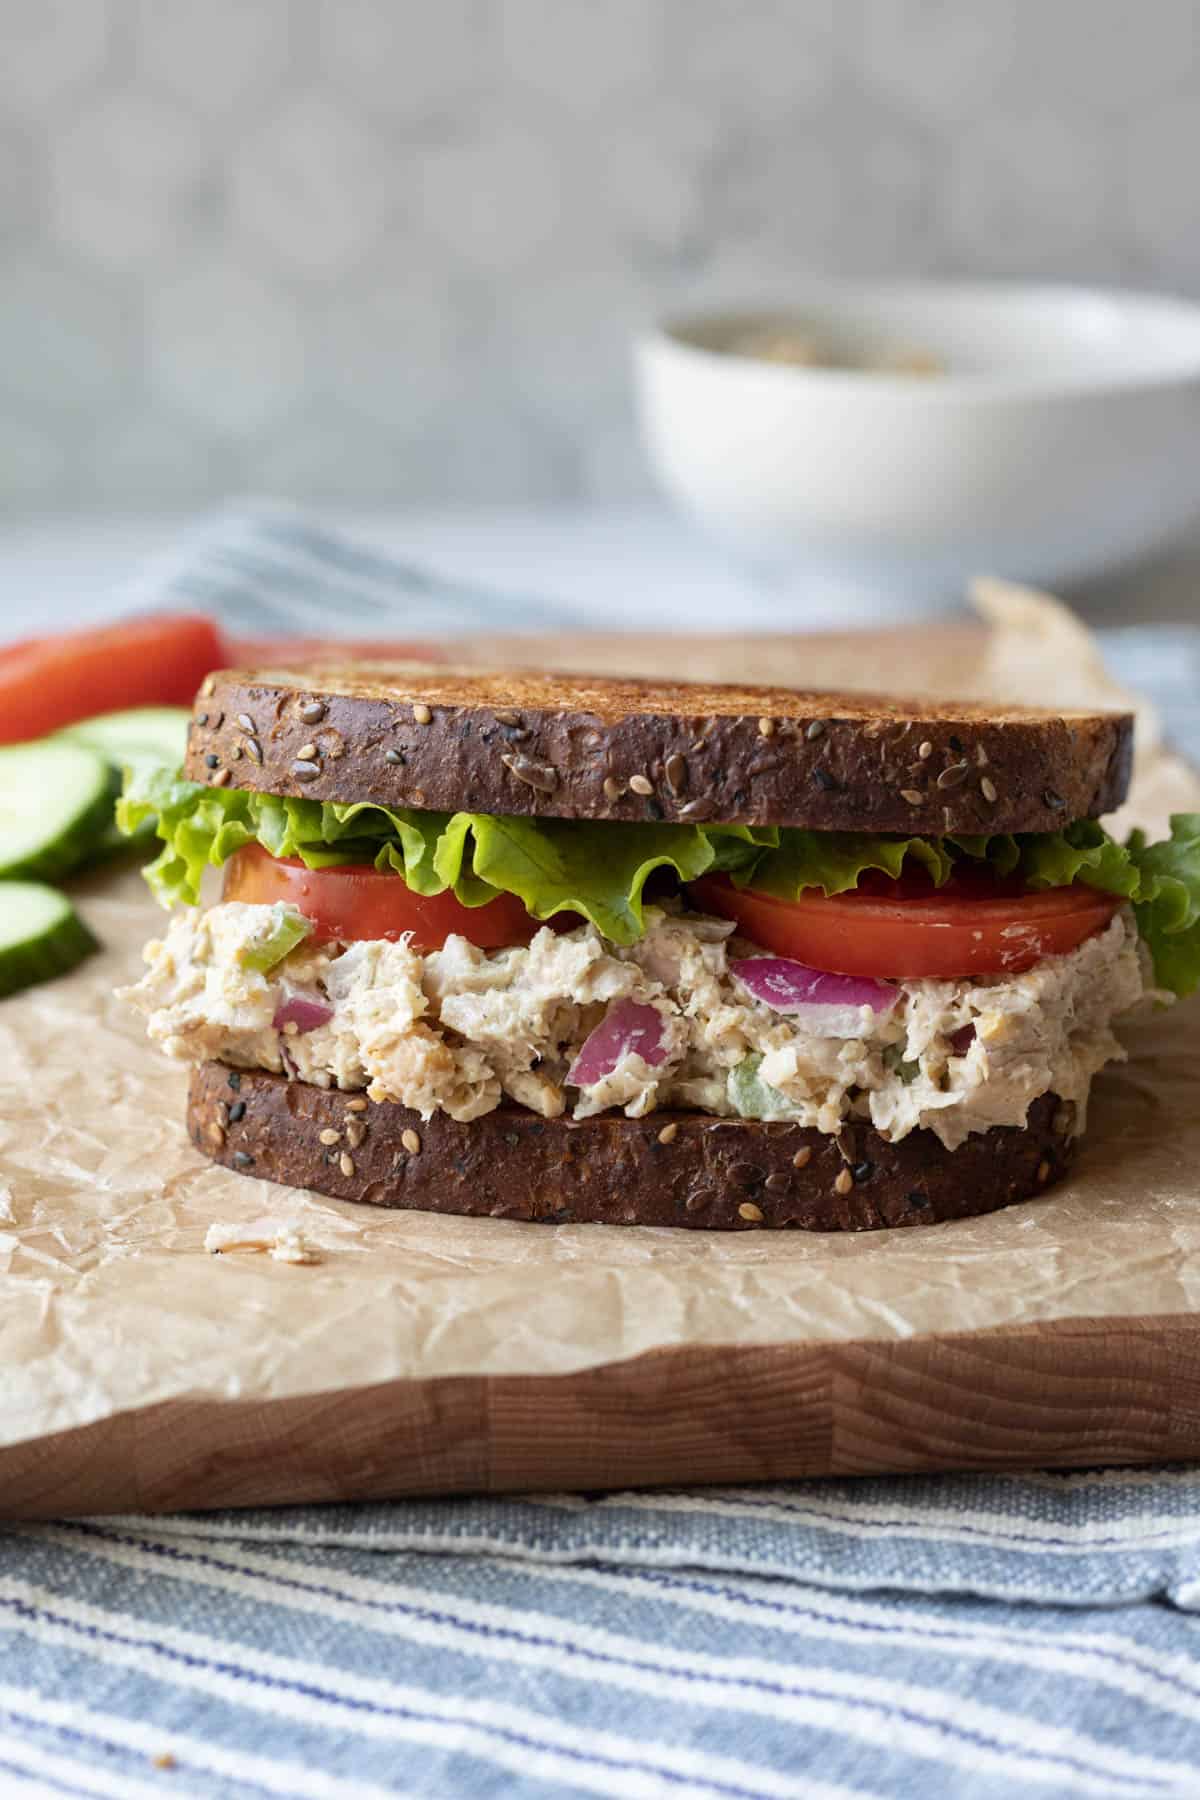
x=49, y=682
x=912, y=929
x=351, y=901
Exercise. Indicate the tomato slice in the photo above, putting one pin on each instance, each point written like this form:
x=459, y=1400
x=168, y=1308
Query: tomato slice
x=912, y=929
x=352, y=901
x=49, y=682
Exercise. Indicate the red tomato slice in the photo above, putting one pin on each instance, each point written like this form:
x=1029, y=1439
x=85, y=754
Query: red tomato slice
x=351, y=901
x=969, y=927
x=49, y=682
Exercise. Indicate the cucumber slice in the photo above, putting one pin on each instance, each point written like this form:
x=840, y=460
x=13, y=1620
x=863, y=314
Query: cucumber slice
x=41, y=935
x=142, y=734
x=56, y=802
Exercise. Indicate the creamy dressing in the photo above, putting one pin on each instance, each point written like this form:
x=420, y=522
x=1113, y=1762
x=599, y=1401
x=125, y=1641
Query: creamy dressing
x=460, y=1029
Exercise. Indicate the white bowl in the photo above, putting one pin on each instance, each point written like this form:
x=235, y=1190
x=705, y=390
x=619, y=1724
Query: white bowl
x=1062, y=438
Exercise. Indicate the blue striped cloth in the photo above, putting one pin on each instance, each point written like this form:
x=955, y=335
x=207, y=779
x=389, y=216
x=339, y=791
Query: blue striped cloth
x=973, y=1637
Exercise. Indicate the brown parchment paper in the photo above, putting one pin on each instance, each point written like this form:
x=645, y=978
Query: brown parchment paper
x=110, y=1307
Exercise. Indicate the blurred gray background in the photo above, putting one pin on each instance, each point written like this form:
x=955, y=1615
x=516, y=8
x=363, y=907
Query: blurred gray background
x=391, y=251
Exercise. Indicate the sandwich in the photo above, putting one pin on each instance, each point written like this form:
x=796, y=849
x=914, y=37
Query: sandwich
x=569, y=949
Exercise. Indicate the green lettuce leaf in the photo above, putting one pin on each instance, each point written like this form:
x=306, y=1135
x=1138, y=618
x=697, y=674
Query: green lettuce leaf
x=552, y=865
x=834, y=860
x=600, y=869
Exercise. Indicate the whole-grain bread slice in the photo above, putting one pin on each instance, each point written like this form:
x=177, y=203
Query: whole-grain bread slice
x=601, y=748
x=666, y=1169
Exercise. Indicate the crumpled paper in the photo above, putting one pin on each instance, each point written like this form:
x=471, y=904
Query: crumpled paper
x=112, y=1310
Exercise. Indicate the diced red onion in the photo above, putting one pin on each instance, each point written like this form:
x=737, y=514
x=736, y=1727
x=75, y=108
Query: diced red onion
x=960, y=1041
x=787, y=986
x=304, y=1014
x=831, y=1005
x=627, y=1028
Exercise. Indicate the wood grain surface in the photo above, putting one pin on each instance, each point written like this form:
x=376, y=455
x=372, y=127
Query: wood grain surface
x=1075, y=1393
x=1061, y=1393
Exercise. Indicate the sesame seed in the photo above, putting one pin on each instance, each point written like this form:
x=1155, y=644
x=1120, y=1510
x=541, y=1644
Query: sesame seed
x=220, y=778
x=613, y=789
x=925, y=750
x=701, y=1198
x=1054, y=801
x=953, y=775
x=212, y=760
x=1043, y=1171
x=766, y=728
x=675, y=770
x=912, y=795
x=206, y=686
x=411, y=1142
x=421, y=713
x=506, y=718
x=777, y=1183
x=306, y=771
x=981, y=757
x=814, y=730
x=307, y=752
x=235, y=1080
x=247, y=723
x=802, y=1157
x=254, y=749
x=752, y=1214
x=987, y=788
x=202, y=718
x=358, y=1104
x=237, y=1112
x=312, y=712
x=356, y=1131
x=216, y=1134
x=329, y=1136
x=393, y=756
x=669, y=1133
x=641, y=784
x=242, y=1159
x=346, y=1164
x=863, y=1171
x=235, y=754
x=844, y=1182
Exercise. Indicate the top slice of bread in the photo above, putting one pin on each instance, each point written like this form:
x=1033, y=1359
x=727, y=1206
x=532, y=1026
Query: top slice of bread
x=559, y=746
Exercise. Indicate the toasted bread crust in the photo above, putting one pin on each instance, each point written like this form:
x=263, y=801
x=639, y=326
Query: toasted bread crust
x=714, y=1174
x=597, y=748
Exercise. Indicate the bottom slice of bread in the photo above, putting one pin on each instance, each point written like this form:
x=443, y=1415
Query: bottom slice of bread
x=670, y=1168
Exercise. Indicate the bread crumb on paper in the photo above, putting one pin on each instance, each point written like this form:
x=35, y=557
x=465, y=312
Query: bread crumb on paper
x=285, y=1243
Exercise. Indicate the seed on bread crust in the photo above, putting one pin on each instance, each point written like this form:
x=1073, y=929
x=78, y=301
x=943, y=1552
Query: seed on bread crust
x=609, y=1169
x=822, y=771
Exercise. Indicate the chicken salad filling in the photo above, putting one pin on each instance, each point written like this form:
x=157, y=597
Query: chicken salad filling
x=573, y=1023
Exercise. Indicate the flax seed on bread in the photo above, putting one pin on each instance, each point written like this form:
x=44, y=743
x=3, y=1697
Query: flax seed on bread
x=443, y=739
x=706, y=1173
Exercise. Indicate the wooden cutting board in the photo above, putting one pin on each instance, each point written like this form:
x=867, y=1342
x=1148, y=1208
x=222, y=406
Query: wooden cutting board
x=427, y=1356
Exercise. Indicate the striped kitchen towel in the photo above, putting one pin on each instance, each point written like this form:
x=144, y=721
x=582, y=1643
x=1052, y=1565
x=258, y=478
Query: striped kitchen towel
x=974, y=1637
